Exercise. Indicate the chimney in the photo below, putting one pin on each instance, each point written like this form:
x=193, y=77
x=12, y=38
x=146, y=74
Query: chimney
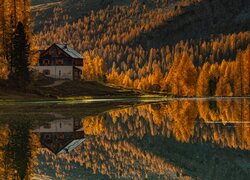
x=65, y=46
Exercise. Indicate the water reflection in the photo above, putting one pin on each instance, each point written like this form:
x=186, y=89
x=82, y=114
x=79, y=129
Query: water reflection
x=60, y=136
x=175, y=139
x=18, y=150
x=224, y=123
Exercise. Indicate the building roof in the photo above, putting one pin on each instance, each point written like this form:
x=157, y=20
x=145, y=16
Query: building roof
x=59, y=143
x=71, y=146
x=41, y=51
x=68, y=50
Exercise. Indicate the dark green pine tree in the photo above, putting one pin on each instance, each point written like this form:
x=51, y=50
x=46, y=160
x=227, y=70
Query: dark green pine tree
x=21, y=56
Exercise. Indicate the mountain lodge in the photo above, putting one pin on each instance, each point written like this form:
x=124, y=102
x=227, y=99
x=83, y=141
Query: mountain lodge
x=60, y=61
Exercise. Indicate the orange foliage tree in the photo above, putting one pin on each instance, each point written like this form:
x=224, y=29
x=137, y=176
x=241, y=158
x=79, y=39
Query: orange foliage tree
x=94, y=69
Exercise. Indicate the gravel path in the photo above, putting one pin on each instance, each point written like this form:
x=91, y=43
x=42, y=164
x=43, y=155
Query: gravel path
x=56, y=83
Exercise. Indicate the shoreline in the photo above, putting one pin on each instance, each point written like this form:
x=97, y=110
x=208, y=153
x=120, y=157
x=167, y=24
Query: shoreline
x=89, y=92
x=109, y=99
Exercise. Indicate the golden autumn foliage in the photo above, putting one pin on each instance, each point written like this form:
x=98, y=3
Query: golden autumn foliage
x=235, y=76
x=112, y=34
x=15, y=162
x=94, y=69
x=182, y=77
x=93, y=125
x=182, y=115
x=179, y=119
x=245, y=71
x=228, y=112
x=119, y=142
x=229, y=78
x=4, y=72
x=11, y=14
x=223, y=87
x=116, y=159
x=4, y=135
x=203, y=81
x=185, y=77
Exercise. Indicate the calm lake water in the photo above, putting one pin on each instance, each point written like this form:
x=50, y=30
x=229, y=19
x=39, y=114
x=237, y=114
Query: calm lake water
x=174, y=139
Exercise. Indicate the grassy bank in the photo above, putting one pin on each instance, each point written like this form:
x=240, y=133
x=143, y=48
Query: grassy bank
x=69, y=90
x=77, y=90
x=82, y=90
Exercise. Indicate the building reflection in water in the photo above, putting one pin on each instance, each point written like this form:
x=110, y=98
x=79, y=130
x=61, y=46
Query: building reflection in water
x=60, y=136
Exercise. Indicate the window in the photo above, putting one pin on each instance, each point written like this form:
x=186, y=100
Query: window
x=78, y=62
x=46, y=72
x=59, y=62
x=47, y=126
x=46, y=62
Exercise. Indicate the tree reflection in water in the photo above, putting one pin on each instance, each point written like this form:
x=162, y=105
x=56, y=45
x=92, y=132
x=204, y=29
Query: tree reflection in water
x=186, y=121
x=187, y=138
x=18, y=149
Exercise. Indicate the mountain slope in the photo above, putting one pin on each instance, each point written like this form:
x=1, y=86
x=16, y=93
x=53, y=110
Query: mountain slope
x=59, y=11
x=148, y=45
x=200, y=20
x=175, y=20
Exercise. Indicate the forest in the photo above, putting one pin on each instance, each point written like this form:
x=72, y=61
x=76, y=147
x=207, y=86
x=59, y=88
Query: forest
x=17, y=50
x=142, y=45
x=112, y=42
x=177, y=48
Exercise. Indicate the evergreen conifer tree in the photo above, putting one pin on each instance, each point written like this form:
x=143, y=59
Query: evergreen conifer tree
x=21, y=55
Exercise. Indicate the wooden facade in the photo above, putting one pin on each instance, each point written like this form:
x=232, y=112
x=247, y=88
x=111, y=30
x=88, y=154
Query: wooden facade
x=60, y=61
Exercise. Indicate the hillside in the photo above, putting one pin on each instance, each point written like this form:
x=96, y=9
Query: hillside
x=62, y=11
x=89, y=88
x=199, y=17
x=147, y=44
x=200, y=20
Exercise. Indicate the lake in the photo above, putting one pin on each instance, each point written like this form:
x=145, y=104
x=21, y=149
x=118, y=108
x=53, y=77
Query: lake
x=126, y=139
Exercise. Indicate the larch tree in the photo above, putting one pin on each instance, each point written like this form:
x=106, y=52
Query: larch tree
x=171, y=80
x=4, y=72
x=100, y=68
x=6, y=31
x=157, y=75
x=223, y=87
x=94, y=69
x=214, y=74
x=203, y=81
x=245, y=70
x=241, y=73
x=88, y=70
x=221, y=84
x=127, y=82
x=237, y=78
x=3, y=61
x=189, y=77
